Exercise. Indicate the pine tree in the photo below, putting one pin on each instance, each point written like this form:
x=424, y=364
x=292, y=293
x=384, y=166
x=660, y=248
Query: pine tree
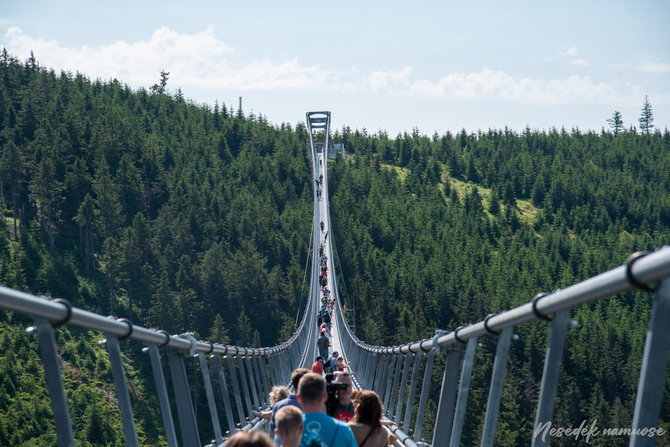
x=616, y=122
x=647, y=117
x=219, y=333
x=12, y=172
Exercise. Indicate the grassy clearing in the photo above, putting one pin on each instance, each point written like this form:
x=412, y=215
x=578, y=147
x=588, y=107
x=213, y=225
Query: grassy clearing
x=527, y=211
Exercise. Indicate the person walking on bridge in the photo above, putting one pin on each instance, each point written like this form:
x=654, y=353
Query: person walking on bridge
x=317, y=367
x=343, y=410
x=319, y=428
x=366, y=424
x=291, y=399
x=323, y=343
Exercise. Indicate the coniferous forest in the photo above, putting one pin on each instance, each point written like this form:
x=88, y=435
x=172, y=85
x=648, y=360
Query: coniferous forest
x=190, y=217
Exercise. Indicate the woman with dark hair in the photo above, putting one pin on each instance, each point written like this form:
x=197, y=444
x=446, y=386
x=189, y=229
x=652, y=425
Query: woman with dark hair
x=366, y=423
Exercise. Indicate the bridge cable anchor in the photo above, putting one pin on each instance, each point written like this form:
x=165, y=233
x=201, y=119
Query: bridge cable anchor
x=194, y=343
x=632, y=259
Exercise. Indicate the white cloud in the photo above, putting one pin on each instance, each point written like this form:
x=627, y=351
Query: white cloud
x=572, y=56
x=198, y=59
x=379, y=81
x=203, y=61
x=498, y=85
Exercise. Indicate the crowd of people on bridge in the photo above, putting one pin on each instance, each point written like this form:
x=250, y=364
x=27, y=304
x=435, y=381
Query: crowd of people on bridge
x=303, y=419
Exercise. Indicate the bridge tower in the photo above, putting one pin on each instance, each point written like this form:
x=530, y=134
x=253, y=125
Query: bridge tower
x=318, y=123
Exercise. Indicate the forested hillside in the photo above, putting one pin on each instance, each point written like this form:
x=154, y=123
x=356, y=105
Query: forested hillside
x=183, y=216
x=438, y=232
x=143, y=205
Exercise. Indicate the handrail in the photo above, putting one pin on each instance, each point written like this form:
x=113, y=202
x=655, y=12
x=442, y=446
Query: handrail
x=641, y=269
x=650, y=268
x=42, y=307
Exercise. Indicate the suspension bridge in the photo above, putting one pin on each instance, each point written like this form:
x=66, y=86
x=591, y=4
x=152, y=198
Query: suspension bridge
x=237, y=380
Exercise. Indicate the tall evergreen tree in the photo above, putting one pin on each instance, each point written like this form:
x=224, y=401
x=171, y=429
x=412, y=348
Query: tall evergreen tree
x=616, y=122
x=646, y=117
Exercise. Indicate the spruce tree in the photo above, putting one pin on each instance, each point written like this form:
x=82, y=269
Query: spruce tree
x=616, y=122
x=647, y=117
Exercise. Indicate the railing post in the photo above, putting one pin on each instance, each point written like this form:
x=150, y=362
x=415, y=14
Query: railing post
x=366, y=369
x=122, y=394
x=403, y=385
x=390, y=366
x=185, y=411
x=358, y=361
x=252, y=381
x=445, y=407
x=425, y=389
x=245, y=385
x=378, y=372
x=161, y=390
x=283, y=361
x=412, y=392
x=552, y=367
x=495, y=390
x=274, y=370
x=396, y=378
x=652, y=375
x=236, y=387
x=209, y=392
x=370, y=364
x=263, y=371
x=52, y=373
x=463, y=390
x=224, y=391
x=278, y=378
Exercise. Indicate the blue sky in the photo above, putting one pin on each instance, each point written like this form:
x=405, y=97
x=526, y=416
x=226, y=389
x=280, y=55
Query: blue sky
x=391, y=65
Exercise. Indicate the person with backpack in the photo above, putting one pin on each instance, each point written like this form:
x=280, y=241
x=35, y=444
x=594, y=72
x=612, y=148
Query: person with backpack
x=319, y=428
x=323, y=343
